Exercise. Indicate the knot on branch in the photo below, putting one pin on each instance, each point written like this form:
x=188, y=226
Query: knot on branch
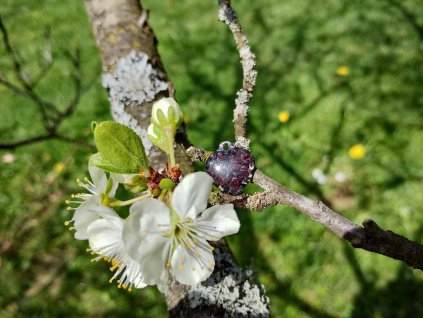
x=239, y=201
x=198, y=154
x=391, y=244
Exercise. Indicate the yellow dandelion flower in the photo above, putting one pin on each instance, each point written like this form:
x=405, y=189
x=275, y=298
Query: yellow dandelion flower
x=58, y=167
x=283, y=117
x=343, y=70
x=357, y=152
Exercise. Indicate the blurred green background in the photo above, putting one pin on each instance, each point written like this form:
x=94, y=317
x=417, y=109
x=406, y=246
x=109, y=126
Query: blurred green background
x=332, y=74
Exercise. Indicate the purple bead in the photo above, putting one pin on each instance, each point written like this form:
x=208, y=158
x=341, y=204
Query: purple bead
x=231, y=168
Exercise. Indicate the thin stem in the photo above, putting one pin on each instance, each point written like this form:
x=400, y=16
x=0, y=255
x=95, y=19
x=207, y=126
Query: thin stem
x=128, y=202
x=171, y=154
x=162, y=195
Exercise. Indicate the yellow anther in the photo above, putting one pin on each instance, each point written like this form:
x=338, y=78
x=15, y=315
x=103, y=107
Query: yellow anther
x=168, y=265
x=67, y=223
x=211, y=248
x=181, y=267
x=67, y=201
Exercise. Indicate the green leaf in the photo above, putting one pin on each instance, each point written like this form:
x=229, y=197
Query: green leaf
x=98, y=161
x=120, y=147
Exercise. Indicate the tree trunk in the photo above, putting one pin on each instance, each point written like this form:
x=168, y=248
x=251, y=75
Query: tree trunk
x=134, y=78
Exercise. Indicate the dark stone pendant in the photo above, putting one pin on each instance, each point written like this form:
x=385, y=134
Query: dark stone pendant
x=231, y=168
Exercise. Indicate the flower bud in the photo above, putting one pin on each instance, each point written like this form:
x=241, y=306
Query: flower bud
x=166, y=113
x=158, y=137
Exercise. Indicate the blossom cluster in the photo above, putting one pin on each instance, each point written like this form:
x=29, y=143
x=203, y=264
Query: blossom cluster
x=169, y=226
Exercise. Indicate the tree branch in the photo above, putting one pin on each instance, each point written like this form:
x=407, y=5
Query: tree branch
x=31, y=140
x=248, y=63
x=50, y=114
x=134, y=78
x=370, y=237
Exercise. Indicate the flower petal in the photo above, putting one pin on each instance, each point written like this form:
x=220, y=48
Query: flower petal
x=143, y=238
x=191, y=266
x=105, y=238
x=98, y=176
x=89, y=211
x=154, y=264
x=217, y=222
x=191, y=195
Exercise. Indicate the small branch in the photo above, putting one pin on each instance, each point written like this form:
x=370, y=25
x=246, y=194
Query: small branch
x=44, y=67
x=16, y=64
x=391, y=244
x=248, y=62
x=31, y=140
x=51, y=115
x=370, y=237
x=77, y=80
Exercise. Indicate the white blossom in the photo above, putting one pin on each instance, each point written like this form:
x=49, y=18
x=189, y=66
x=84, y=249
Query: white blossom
x=90, y=205
x=174, y=237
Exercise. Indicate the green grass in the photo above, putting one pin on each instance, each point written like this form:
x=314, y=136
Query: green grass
x=307, y=271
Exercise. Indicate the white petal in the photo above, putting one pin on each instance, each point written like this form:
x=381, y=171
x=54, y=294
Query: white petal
x=191, y=266
x=143, y=238
x=217, y=222
x=88, y=212
x=153, y=266
x=113, y=189
x=99, y=178
x=191, y=195
x=105, y=238
x=149, y=216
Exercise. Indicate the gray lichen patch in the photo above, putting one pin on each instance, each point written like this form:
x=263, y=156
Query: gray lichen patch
x=133, y=81
x=234, y=289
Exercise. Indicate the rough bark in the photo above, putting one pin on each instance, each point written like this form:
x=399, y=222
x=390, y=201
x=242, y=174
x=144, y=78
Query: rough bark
x=134, y=78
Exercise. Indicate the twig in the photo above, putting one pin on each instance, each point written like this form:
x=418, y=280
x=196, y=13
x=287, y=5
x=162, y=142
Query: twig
x=370, y=237
x=44, y=68
x=31, y=140
x=77, y=78
x=52, y=117
x=248, y=61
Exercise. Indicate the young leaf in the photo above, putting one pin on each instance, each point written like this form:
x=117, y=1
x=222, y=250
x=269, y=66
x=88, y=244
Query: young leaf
x=120, y=147
x=98, y=161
